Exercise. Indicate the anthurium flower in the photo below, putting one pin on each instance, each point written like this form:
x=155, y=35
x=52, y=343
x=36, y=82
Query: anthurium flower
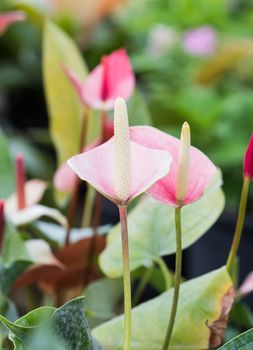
x=137, y=169
x=248, y=160
x=65, y=178
x=200, y=172
x=113, y=77
x=8, y=18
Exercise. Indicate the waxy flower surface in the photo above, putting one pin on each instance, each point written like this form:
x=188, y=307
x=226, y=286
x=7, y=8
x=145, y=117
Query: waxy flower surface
x=201, y=169
x=8, y=18
x=99, y=169
x=113, y=77
x=248, y=160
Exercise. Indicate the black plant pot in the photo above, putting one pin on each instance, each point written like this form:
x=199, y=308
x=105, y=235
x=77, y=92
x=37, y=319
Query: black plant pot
x=211, y=251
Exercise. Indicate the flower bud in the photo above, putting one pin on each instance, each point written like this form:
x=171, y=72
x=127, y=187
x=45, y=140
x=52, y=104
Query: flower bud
x=183, y=163
x=122, y=151
x=248, y=160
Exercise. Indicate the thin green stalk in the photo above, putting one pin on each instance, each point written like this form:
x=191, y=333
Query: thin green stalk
x=126, y=279
x=88, y=206
x=239, y=224
x=168, y=279
x=177, y=279
x=142, y=285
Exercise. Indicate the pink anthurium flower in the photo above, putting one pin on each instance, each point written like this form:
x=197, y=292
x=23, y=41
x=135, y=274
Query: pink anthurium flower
x=113, y=77
x=248, y=160
x=200, y=173
x=22, y=207
x=98, y=167
x=65, y=178
x=120, y=170
x=8, y=18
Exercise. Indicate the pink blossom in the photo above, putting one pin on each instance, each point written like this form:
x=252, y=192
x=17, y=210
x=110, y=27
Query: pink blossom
x=248, y=160
x=64, y=177
x=200, y=41
x=135, y=167
x=201, y=169
x=7, y=18
x=113, y=77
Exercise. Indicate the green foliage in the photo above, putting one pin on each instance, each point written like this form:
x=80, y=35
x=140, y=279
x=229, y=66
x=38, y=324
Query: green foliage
x=68, y=323
x=199, y=306
x=151, y=230
x=64, y=105
x=6, y=169
x=243, y=341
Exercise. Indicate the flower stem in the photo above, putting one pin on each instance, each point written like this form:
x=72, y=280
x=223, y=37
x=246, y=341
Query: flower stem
x=239, y=224
x=88, y=206
x=142, y=285
x=177, y=278
x=20, y=181
x=127, y=280
x=168, y=280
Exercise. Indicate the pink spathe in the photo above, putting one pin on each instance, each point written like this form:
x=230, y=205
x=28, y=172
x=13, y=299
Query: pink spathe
x=98, y=168
x=64, y=177
x=201, y=169
x=113, y=77
x=8, y=18
x=200, y=41
x=248, y=160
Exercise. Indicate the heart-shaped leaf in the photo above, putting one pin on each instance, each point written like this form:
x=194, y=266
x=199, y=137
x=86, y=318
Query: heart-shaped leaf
x=152, y=231
x=68, y=322
x=202, y=314
x=243, y=341
x=65, y=107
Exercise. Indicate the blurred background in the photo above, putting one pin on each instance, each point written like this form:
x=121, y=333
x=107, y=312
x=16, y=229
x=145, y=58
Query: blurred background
x=193, y=61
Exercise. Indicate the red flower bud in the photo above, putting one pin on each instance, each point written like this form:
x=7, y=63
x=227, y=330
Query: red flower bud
x=248, y=160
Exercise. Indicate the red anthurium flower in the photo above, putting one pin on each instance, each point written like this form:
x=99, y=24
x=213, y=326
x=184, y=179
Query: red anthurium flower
x=65, y=178
x=7, y=18
x=118, y=168
x=200, y=170
x=248, y=160
x=113, y=77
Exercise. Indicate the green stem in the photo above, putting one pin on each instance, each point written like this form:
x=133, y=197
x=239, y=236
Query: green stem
x=239, y=224
x=88, y=206
x=168, y=280
x=126, y=278
x=177, y=279
x=142, y=285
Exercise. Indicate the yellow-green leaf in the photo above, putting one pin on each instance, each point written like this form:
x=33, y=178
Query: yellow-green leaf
x=203, y=306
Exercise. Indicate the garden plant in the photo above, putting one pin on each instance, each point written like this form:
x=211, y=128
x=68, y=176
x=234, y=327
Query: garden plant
x=70, y=282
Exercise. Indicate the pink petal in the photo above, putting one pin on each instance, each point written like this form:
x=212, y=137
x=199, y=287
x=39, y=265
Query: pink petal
x=201, y=169
x=34, y=190
x=97, y=168
x=117, y=70
x=7, y=18
x=247, y=286
x=248, y=160
x=64, y=177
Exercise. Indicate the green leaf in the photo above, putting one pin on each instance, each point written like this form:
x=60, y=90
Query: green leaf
x=152, y=233
x=72, y=326
x=13, y=247
x=68, y=323
x=200, y=306
x=101, y=300
x=243, y=341
x=6, y=169
x=138, y=111
x=9, y=274
x=65, y=108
